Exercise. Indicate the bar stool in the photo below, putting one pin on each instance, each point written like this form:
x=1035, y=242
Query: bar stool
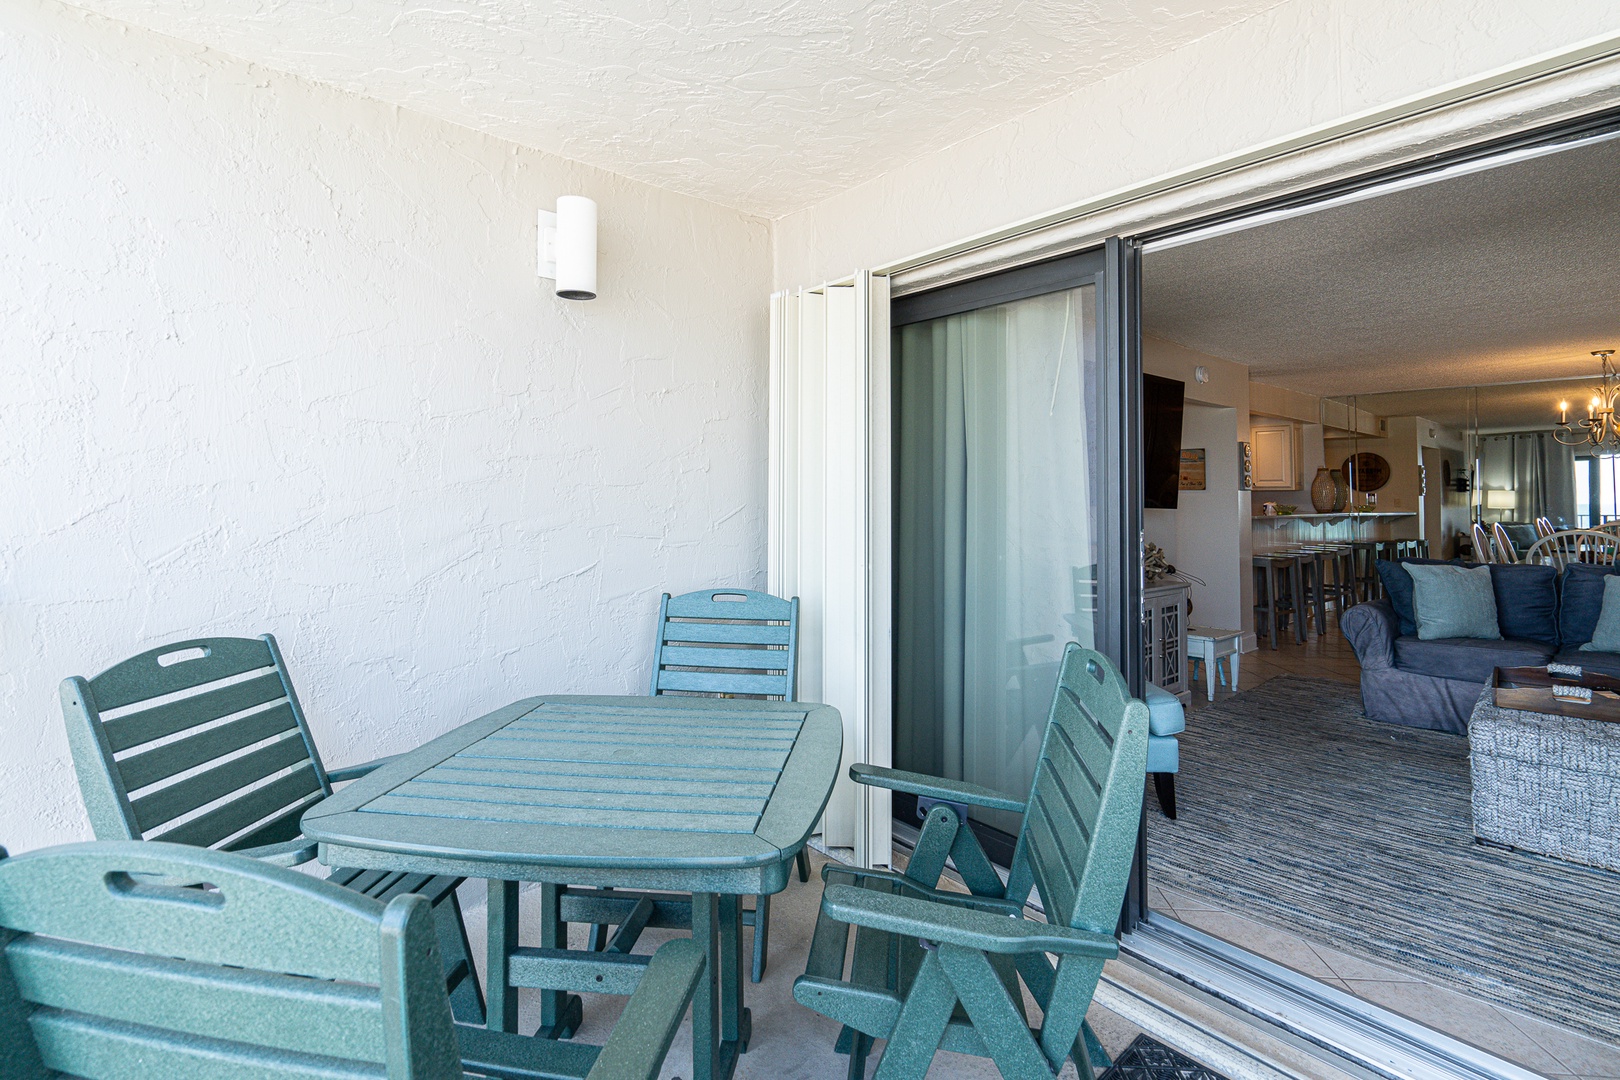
x=1276, y=585
x=1366, y=581
x=1342, y=589
x=1312, y=567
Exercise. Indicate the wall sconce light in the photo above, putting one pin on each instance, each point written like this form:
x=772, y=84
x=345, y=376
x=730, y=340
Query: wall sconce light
x=568, y=247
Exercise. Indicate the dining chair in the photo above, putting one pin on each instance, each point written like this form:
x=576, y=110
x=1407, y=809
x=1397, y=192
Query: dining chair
x=1482, y=545
x=135, y=960
x=730, y=643
x=1544, y=528
x=1575, y=546
x=941, y=970
x=1505, y=552
x=204, y=742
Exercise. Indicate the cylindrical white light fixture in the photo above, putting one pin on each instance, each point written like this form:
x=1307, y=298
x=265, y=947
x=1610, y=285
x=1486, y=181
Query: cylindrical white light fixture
x=568, y=247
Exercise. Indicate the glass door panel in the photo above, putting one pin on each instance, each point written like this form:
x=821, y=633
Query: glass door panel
x=1006, y=477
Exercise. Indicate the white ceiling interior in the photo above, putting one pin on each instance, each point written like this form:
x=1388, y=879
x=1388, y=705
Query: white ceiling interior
x=765, y=107
x=1502, y=276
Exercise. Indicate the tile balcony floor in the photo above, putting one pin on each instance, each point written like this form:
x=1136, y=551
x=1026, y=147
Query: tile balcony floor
x=1535, y=1044
x=789, y=1041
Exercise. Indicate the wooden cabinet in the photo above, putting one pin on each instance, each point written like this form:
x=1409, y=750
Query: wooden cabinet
x=1276, y=457
x=1164, y=636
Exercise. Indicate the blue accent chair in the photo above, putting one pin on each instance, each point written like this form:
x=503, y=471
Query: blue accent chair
x=1166, y=720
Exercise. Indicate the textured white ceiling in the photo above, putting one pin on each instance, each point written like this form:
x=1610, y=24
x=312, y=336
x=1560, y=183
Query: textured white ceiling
x=765, y=106
x=1502, y=276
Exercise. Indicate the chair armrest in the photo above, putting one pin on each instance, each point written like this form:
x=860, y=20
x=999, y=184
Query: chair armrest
x=979, y=903
x=286, y=853
x=1371, y=630
x=355, y=772
x=934, y=787
x=636, y=1048
x=640, y=1040
x=949, y=925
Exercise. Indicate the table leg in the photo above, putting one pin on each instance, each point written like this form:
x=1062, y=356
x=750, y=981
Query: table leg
x=1210, y=663
x=735, y=1021
x=561, y=1013
x=706, y=1000
x=1234, y=669
x=501, y=1009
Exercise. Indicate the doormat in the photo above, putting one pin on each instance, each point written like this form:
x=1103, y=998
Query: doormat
x=1149, y=1059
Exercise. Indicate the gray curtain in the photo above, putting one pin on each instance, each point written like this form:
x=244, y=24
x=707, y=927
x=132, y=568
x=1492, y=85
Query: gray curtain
x=993, y=533
x=1537, y=468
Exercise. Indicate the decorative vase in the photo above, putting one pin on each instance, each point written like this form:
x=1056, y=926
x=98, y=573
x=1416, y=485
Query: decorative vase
x=1341, y=492
x=1323, y=491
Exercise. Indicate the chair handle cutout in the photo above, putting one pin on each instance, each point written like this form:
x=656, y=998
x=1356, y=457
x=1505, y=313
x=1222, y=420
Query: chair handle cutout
x=180, y=656
x=728, y=598
x=152, y=887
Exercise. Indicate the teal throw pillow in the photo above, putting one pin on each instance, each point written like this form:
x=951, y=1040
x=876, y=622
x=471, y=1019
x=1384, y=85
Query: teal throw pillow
x=1606, y=635
x=1453, y=602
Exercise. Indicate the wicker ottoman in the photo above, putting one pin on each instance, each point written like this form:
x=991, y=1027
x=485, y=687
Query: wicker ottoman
x=1546, y=783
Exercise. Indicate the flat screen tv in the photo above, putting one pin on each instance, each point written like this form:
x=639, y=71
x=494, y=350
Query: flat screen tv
x=1161, y=441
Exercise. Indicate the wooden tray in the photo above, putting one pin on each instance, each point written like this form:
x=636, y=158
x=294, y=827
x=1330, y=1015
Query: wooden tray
x=1529, y=689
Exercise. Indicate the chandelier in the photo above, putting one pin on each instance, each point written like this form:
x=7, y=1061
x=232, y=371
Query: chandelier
x=1601, y=428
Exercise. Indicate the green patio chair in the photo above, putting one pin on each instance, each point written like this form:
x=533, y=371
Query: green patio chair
x=726, y=643
x=940, y=970
x=131, y=960
x=203, y=742
x=732, y=643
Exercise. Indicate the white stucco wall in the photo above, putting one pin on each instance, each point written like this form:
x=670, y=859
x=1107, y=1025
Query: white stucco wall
x=275, y=358
x=1284, y=70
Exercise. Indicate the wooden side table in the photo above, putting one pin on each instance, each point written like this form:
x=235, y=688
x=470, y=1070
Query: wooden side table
x=1209, y=646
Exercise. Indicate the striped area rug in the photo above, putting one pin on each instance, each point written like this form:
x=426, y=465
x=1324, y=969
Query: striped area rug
x=1300, y=812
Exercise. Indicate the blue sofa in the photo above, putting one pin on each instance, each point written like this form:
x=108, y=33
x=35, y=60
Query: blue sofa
x=1543, y=616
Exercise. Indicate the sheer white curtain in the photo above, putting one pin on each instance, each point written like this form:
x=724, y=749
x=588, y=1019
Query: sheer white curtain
x=995, y=551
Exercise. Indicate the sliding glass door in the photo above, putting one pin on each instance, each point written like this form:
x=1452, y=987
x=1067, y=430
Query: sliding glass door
x=1014, y=464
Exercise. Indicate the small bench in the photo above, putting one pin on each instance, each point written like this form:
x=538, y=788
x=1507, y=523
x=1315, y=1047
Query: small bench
x=1209, y=646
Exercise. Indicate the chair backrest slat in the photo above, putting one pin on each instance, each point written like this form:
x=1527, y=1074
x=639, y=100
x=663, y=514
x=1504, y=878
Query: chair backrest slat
x=171, y=759
x=181, y=798
x=236, y=1004
x=283, y=801
x=108, y=968
x=727, y=641
x=1079, y=833
x=205, y=739
x=161, y=721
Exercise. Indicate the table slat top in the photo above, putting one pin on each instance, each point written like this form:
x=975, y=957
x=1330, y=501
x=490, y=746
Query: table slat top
x=601, y=782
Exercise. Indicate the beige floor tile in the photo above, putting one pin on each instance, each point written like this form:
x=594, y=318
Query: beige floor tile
x=1577, y=1053
x=1349, y=966
x=1273, y=944
x=1185, y=901
x=1462, y=1017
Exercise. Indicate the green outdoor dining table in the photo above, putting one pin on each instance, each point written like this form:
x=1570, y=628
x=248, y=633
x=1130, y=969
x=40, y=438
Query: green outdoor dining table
x=591, y=796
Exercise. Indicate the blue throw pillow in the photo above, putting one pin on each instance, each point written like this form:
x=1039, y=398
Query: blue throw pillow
x=1398, y=587
x=1580, y=602
x=1526, y=601
x=1451, y=602
x=1606, y=634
